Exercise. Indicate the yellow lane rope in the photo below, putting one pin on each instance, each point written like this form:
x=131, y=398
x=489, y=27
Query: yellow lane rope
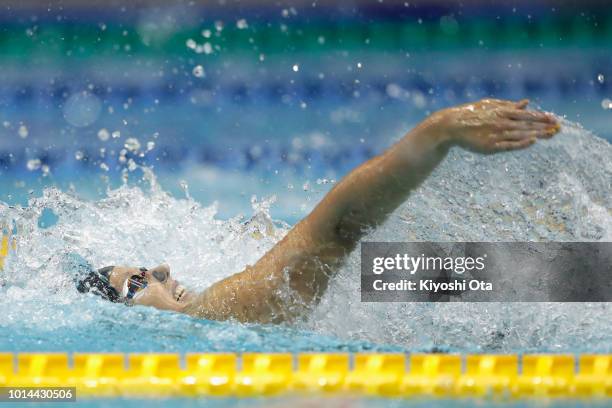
x=4, y=246
x=260, y=374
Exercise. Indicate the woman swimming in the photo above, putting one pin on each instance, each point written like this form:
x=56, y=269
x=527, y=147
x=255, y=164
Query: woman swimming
x=291, y=278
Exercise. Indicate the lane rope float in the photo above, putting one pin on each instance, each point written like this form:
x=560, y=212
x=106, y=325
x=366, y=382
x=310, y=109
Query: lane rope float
x=269, y=374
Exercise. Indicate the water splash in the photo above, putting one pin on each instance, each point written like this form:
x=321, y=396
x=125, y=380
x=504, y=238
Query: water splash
x=558, y=190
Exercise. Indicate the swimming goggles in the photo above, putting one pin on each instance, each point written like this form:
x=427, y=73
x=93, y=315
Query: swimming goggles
x=134, y=284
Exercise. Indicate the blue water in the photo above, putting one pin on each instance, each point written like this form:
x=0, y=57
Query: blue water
x=257, y=144
x=257, y=127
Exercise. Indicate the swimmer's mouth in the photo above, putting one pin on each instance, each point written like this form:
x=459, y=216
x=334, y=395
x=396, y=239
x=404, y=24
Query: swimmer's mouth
x=179, y=292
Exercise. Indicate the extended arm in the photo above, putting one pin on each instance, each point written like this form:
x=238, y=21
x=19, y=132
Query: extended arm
x=294, y=274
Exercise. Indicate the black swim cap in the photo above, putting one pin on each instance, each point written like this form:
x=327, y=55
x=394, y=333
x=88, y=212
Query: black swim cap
x=98, y=283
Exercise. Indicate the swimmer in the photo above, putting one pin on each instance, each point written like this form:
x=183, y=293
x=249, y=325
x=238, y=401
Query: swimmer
x=290, y=279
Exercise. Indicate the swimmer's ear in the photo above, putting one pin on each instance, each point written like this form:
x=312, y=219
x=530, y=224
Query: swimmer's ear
x=165, y=268
x=160, y=272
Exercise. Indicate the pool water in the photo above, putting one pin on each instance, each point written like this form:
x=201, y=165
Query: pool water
x=136, y=157
x=558, y=190
x=253, y=127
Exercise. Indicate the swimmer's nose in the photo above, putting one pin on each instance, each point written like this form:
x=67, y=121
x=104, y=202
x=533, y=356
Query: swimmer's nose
x=161, y=272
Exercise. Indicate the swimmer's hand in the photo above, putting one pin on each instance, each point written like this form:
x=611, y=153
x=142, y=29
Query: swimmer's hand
x=492, y=125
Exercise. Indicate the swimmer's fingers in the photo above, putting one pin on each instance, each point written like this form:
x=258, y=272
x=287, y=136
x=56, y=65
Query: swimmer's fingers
x=521, y=104
x=508, y=124
x=529, y=116
x=518, y=135
x=505, y=103
x=514, y=145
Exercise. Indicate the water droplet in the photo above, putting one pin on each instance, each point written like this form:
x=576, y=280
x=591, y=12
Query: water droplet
x=132, y=144
x=449, y=25
x=79, y=155
x=82, y=109
x=116, y=134
x=419, y=100
x=23, y=131
x=296, y=68
x=132, y=165
x=242, y=24
x=103, y=135
x=198, y=71
x=191, y=44
x=600, y=78
x=394, y=90
x=34, y=164
x=184, y=186
x=150, y=146
x=606, y=104
x=206, y=33
x=104, y=166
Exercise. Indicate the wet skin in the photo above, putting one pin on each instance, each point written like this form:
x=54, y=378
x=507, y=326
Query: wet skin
x=162, y=291
x=291, y=278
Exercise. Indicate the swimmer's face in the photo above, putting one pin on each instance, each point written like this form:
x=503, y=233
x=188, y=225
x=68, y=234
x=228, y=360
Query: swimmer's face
x=161, y=291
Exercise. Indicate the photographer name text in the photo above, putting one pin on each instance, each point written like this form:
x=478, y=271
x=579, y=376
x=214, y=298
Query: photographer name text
x=429, y=285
